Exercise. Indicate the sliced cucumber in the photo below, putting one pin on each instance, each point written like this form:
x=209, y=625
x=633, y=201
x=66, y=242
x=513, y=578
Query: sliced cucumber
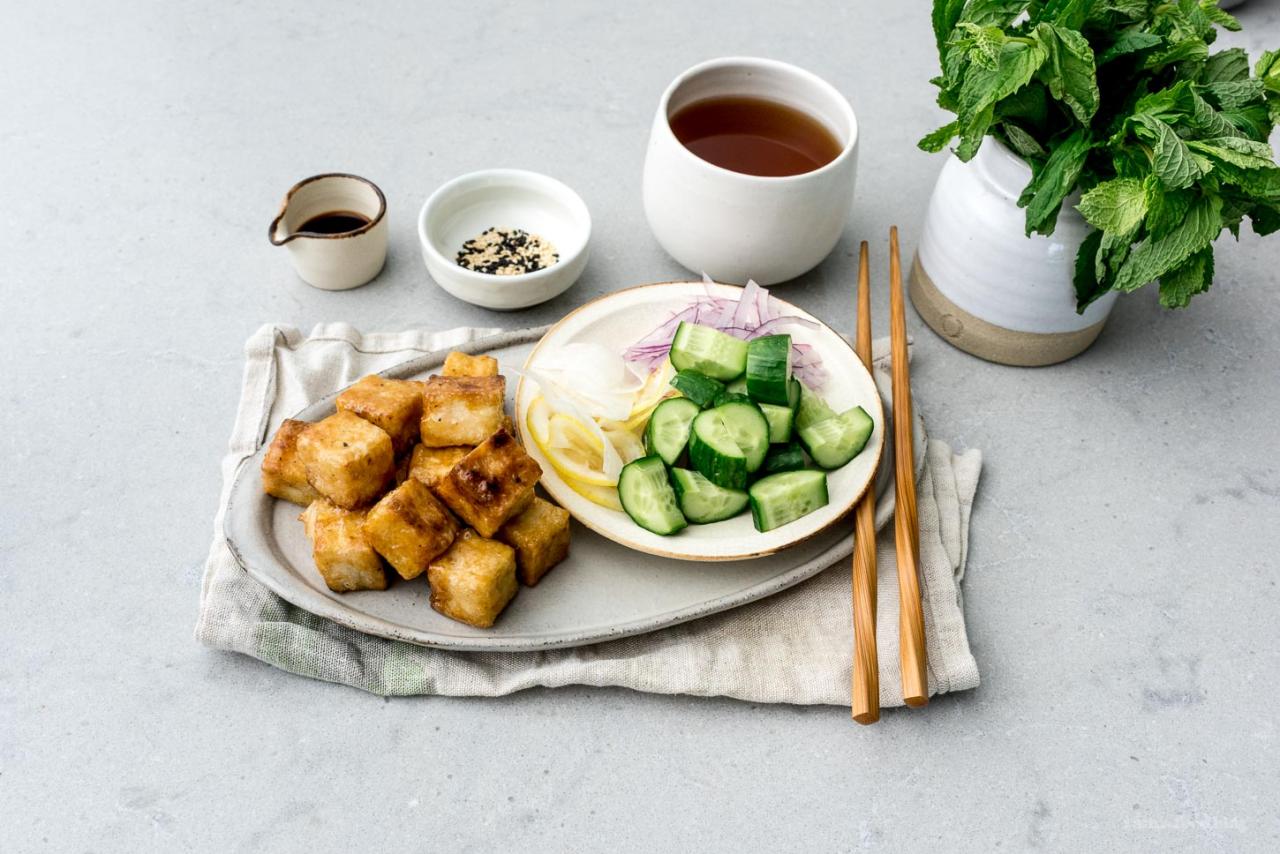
x=701, y=501
x=780, y=419
x=788, y=457
x=738, y=386
x=714, y=453
x=648, y=498
x=782, y=498
x=699, y=388
x=793, y=393
x=769, y=369
x=834, y=441
x=668, y=429
x=732, y=397
x=811, y=408
x=708, y=351
x=749, y=429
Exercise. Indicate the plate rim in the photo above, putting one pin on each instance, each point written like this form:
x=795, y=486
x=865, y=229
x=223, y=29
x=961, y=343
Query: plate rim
x=752, y=555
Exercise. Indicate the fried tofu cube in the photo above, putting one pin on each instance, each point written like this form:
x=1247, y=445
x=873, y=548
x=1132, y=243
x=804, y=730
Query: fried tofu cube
x=461, y=365
x=428, y=465
x=348, y=460
x=410, y=527
x=283, y=474
x=461, y=410
x=540, y=537
x=343, y=555
x=393, y=405
x=474, y=580
x=491, y=484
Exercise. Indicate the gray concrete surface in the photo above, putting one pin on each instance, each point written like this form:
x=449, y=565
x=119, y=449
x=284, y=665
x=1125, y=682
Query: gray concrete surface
x=1121, y=596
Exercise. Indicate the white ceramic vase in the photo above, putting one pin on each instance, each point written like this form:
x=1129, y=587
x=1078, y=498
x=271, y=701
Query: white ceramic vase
x=983, y=285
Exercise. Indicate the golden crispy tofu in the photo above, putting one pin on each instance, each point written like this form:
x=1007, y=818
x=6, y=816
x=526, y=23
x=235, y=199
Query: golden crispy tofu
x=540, y=537
x=474, y=580
x=348, y=460
x=491, y=484
x=393, y=405
x=283, y=474
x=342, y=554
x=410, y=527
x=428, y=465
x=461, y=410
x=461, y=365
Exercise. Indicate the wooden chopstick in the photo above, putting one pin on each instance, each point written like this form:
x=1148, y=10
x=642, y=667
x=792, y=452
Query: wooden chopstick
x=915, y=681
x=865, y=702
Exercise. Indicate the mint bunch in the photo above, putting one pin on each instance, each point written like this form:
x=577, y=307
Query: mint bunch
x=1123, y=100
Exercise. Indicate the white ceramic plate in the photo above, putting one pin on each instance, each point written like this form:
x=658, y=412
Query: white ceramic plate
x=601, y=592
x=623, y=317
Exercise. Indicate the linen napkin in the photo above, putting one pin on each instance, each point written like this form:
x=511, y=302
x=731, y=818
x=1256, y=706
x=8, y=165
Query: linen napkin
x=793, y=647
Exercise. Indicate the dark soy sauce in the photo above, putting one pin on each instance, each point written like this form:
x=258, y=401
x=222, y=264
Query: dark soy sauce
x=755, y=136
x=334, y=222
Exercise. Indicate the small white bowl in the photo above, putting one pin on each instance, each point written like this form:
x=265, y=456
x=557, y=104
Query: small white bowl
x=504, y=198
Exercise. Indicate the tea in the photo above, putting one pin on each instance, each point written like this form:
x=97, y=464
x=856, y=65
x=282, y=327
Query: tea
x=755, y=136
x=334, y=222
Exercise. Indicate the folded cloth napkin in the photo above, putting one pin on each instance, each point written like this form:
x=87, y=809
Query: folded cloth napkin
x=794, y=647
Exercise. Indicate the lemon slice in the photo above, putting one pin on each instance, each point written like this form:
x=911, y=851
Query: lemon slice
x=605, y=496
x=538, y=419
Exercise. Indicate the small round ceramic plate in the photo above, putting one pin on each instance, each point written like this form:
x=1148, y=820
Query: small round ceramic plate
x=621, y=318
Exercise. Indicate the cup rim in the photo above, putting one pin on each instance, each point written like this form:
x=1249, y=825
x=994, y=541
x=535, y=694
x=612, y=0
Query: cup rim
x=545, y=184
x=288, y=197
x=683, y=77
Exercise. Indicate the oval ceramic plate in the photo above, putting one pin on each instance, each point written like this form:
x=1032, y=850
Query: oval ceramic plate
x=621, y=318
x=602, y=591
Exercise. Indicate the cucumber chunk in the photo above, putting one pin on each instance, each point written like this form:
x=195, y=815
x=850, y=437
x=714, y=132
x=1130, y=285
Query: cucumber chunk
x=769, y=369
x=793, y=393
x=780, y=419
x=738, y=386
x=708, y=351
x=701, y=501
x=788, y=457
x=699, y=388
x=732, y=397
x=667, y=432
x=811, y=408
x=834, y=441
x=782, y=498
x=648, y=498
x=749, y=429
x=714, y=453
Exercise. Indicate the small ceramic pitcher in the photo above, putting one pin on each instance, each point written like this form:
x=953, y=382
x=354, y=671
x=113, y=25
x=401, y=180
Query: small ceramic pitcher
x=339, y=261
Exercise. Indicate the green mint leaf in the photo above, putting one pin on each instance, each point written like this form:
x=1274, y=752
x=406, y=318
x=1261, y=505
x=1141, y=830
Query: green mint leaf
x=973, y=131
x=1226, y=66
x=1165, y=209
x=983, y=87
x=981, y=44
x=1068, y=70
x=946, y=14
x=1190, y=50
x=1211, y=11
x=1154, y=257
x=1175, y=163
x=1235, y=94
x=1245, y=153
x=994, y=13
x=1065, y=13
x=936, y=141
x=1130, y=42
x=1021, y=141
x=1053, y=182
x=1118, y=205
x=1179, y=285
x=1205, y=119
x=1264, y=219
x=1089, y=285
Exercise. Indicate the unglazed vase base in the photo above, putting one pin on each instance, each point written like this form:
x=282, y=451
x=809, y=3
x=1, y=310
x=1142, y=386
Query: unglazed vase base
x=988, y=341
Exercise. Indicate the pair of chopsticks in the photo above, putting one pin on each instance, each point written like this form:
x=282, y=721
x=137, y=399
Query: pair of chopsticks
x=865, y=702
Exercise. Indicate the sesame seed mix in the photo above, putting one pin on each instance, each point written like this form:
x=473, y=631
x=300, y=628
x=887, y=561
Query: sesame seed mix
x=507, y=252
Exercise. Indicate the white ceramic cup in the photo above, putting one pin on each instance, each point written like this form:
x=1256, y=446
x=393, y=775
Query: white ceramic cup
x=333, y=262
x=733, y=226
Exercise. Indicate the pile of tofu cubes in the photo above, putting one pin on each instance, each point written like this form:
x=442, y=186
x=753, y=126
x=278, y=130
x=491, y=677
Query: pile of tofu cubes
x=427, y=477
